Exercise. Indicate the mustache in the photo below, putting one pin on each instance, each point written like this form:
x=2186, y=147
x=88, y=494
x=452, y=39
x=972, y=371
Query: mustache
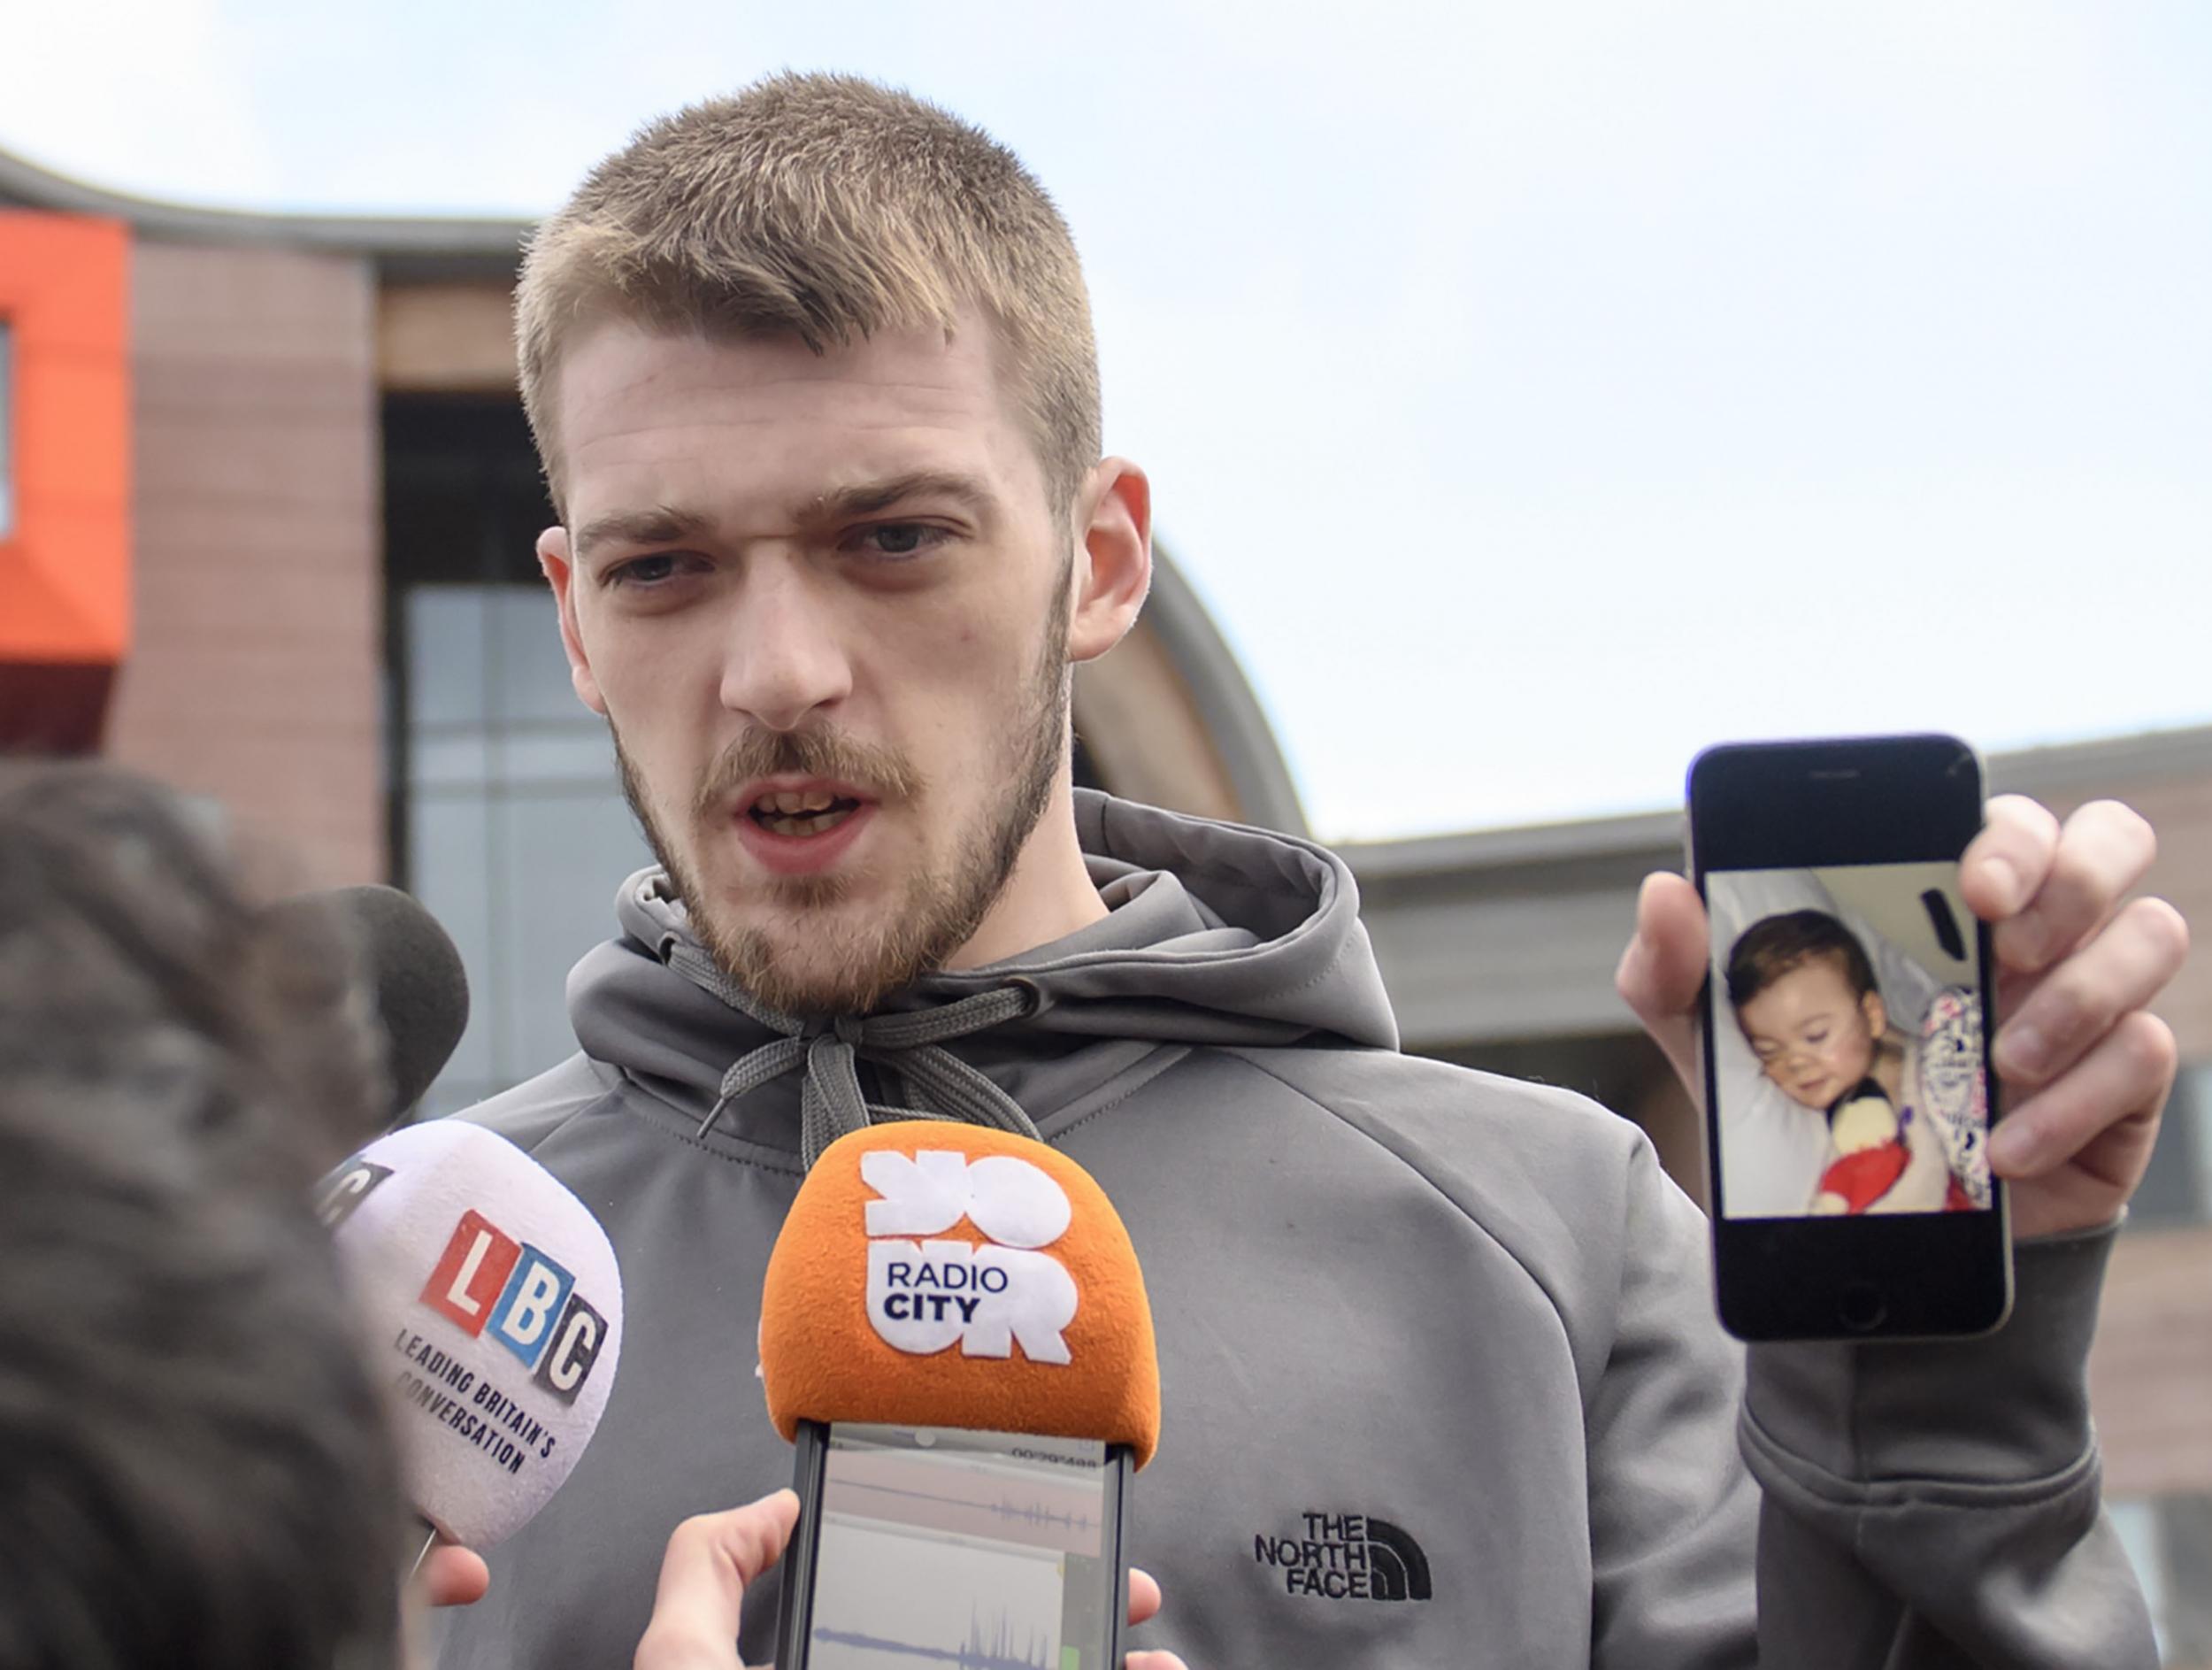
x=819, y=752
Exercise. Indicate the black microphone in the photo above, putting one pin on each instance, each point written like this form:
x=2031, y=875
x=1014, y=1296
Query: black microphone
x=413, y=974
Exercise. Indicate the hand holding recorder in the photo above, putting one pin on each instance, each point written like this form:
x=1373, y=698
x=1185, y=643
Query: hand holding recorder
x=713, y=1558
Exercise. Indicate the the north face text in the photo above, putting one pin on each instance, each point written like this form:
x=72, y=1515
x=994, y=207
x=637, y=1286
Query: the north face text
x=1347, y=1556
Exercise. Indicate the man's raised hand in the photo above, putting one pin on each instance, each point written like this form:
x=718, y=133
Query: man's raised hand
x=2084, y=1065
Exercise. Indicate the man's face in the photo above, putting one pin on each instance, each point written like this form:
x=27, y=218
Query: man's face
x=1813, y=1033
x=823, y=605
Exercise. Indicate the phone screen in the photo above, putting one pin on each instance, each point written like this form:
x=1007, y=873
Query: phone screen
x=1848, y=1041
x=1848, y=1013
x=938, y=1546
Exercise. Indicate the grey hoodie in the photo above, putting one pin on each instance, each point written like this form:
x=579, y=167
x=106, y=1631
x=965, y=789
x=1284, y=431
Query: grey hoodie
x=1441, y=1380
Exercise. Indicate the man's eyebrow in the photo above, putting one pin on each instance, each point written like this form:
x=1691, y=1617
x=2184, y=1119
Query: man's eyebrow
x=872, y=498
x=661, y=525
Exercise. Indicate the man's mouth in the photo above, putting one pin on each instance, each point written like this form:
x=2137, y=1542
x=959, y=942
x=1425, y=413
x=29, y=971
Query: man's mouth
x=797, y=814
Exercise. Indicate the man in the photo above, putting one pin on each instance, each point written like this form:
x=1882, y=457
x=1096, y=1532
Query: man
x=812, y=378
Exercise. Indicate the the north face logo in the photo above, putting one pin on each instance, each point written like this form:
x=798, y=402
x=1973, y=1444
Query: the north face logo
x=924, y=1295
x=1347, y=1556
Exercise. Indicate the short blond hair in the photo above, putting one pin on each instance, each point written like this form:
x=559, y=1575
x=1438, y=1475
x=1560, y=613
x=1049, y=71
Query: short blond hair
x=827, y=208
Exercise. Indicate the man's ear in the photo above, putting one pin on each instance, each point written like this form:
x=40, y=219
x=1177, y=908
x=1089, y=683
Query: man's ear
x=560, y=570
x=1113, y=558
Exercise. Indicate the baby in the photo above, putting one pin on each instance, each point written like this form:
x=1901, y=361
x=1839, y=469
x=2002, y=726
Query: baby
x=1805, y=999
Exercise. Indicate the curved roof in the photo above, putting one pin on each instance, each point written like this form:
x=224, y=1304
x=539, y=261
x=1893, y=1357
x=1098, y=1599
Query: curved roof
x=478, y=245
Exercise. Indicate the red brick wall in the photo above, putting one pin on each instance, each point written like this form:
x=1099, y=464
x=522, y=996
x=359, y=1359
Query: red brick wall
x=2150, y=1375
x=256, y=673
x=2151, y=1372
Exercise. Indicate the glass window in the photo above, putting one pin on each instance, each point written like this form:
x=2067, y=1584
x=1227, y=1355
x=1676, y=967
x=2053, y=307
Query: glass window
x=2136, y=1524
x=2169, y=1541
x=517, y=835
x=7, y=429
x=2177, y=1189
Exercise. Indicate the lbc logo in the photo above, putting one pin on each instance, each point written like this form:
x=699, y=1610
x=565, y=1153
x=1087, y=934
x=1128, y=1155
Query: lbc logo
x=487, y=1280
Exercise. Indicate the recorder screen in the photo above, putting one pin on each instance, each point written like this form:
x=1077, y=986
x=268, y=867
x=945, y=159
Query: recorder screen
x=1847, y=1039
x=985, y=1551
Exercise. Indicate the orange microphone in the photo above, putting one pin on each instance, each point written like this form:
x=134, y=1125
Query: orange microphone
x=954, y=1330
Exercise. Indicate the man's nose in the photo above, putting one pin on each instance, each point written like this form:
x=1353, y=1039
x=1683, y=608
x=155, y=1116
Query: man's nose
x=784, y=658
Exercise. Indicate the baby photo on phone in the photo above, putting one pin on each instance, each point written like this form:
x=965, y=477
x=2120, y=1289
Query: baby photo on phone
x=1848, y=1043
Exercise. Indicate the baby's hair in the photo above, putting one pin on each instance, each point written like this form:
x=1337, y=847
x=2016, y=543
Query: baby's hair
x=1774, y=945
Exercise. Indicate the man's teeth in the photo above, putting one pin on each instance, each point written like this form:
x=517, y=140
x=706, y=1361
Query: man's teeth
x=809, y=814
x=812, y=801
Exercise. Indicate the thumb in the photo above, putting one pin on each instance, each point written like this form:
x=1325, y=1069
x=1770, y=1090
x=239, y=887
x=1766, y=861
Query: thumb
x=1663, y=970
x=710, y=1559
x=451, y=1575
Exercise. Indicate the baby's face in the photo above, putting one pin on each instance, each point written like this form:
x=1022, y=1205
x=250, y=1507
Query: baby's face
x=1813, y=1034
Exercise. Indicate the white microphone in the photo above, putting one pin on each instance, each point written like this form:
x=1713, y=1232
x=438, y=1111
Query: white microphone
x=494, y=1310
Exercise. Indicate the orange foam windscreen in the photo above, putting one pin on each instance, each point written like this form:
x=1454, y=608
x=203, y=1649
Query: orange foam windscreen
x=936, y=1274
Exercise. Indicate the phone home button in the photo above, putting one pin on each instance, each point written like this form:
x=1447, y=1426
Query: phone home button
x=1862, y=1307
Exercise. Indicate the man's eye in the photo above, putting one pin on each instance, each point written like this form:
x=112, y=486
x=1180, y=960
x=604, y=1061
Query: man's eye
x=895, y=541
x=642, y=571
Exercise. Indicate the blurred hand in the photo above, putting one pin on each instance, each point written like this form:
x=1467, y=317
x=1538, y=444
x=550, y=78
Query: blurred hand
x=712, y=1557
x=2086, y=1067
x=451, y=1575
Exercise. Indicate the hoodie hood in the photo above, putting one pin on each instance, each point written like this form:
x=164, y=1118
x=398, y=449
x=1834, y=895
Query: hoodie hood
x=1216, y=933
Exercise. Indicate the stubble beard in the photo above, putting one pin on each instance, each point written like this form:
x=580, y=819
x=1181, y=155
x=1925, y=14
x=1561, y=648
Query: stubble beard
x=852, y=966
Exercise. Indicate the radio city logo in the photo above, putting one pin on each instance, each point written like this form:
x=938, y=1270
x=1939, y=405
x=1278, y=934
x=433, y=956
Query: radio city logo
x=488, y=1282
x=924, y=1295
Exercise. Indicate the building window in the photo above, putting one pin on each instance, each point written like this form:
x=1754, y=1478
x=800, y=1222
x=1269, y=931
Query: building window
x=516, y=833
x=2177, y=1190
x=507, y=819
x=2169, y=1540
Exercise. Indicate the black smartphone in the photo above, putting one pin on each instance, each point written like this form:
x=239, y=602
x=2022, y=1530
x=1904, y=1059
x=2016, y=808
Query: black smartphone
x=936, y=1545
x=1847, y=1018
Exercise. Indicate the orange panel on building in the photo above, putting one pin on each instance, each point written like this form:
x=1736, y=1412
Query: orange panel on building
x=66, y=553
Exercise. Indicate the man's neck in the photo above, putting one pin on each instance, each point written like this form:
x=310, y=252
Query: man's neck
x=1048, y=896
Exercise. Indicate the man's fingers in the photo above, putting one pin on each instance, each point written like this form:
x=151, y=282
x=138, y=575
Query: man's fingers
x=2001, y=867
x=710, y=1559
x=1154, y=1661
x=451, y=1575
x=1144, y=1596
x=1663, y=969
x=2123, y=969
x=2124, y=1079
x=2103, y=851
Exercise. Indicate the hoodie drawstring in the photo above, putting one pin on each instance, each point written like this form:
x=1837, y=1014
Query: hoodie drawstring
x=831, y=1104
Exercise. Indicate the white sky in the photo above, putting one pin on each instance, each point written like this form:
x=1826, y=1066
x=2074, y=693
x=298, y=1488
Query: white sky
x=1535, y=392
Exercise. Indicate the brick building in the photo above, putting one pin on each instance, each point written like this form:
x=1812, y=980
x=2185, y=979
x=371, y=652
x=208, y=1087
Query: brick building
x=266, y=511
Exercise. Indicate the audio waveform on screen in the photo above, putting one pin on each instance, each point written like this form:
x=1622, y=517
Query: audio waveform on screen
x=976, y=1653
x=1025, y=1512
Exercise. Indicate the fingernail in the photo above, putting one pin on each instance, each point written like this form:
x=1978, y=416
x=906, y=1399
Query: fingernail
x=2022, y=1051
x=2012, y=887
x=2014, y=1146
